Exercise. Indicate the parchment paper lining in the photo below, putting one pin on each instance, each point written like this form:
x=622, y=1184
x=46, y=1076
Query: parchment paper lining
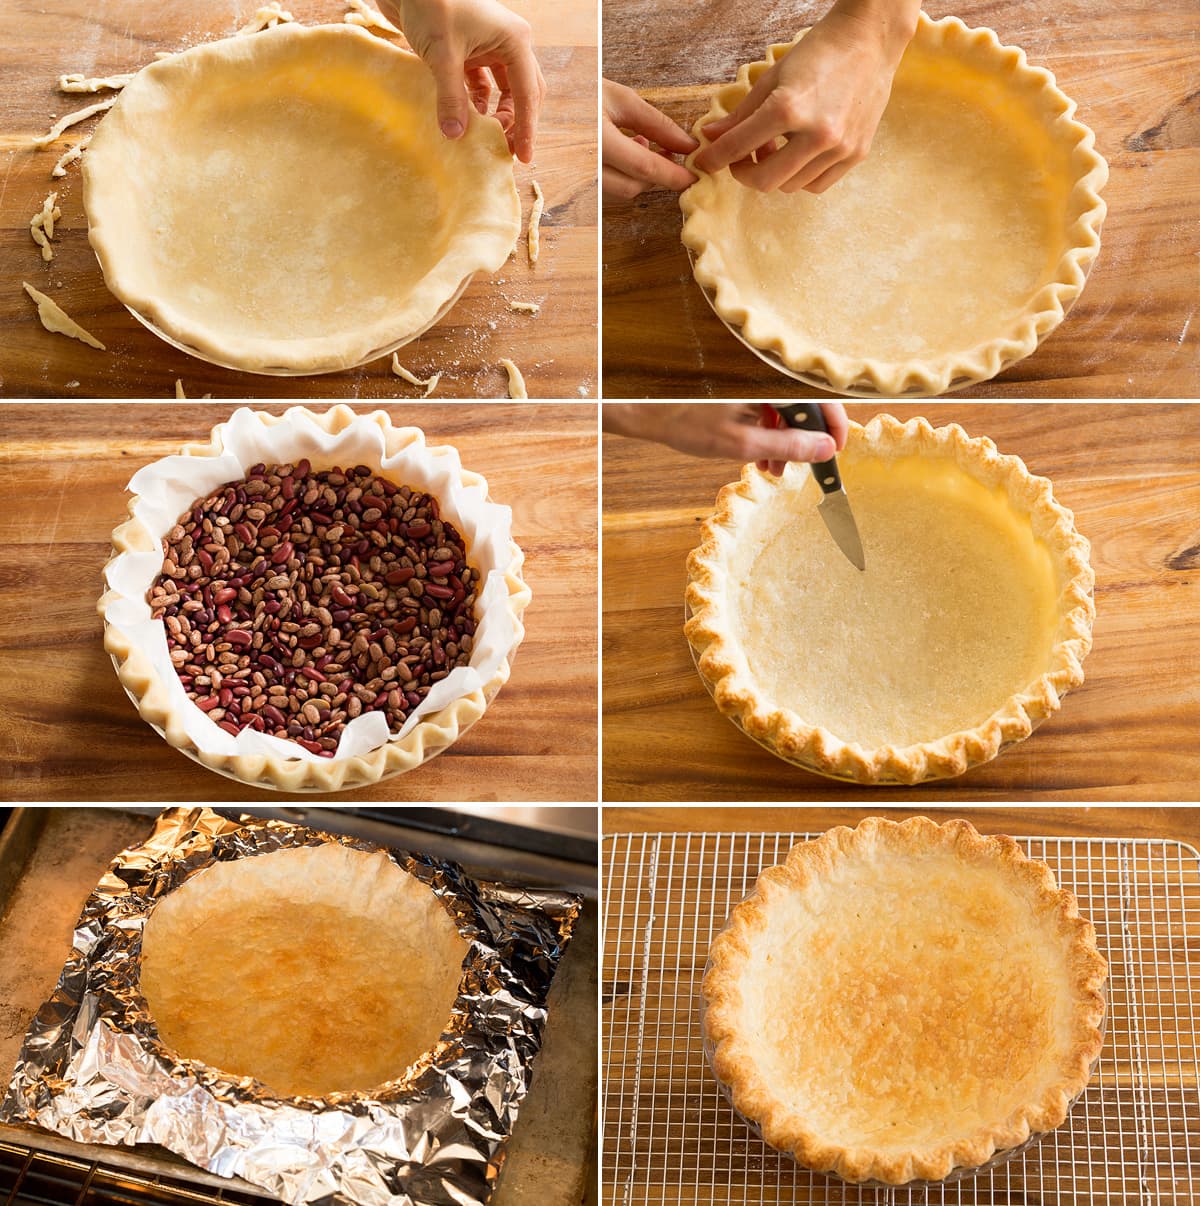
x=168, y=487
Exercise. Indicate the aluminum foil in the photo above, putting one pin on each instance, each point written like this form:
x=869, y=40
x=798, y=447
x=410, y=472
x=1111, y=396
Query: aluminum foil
x=92, y=1067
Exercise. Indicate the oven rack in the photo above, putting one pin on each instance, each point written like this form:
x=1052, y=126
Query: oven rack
x=1133, y=1139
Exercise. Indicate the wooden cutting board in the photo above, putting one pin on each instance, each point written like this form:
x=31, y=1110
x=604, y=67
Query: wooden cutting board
x=1130, y=473
x=69, y=732
x=556, y=348
x=1134, y=70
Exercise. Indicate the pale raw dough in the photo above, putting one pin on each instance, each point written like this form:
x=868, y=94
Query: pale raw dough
x=64, y=123
x=523, y=307
x=78, y=82
x=315, y=970
x=69, y=157
x=267, y=17
x=429, y=384
x=516, y=382
x=943, y=256
x=287, y=200
x=363, y=14
x=535, y=222
x=41, y=225
x=58, y=322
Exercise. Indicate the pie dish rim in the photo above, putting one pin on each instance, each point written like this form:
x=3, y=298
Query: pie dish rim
x=785, y=1129
x=926, y=375
x=721, y=661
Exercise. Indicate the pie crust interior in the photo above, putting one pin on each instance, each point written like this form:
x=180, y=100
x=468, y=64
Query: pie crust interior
x=315, y=970
x=286, y=202
x=430, y=736
x=967, y=627
x=897, y=1001
x=948, y=254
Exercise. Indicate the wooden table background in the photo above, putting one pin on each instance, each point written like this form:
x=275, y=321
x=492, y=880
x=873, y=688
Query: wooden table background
x=69, y=732
x=1134, y=70
x=555, y=349
x=1131, y=474
x=669, y=1138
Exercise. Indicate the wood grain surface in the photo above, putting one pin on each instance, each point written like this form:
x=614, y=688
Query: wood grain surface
x=67, y=729
x=547, y=1158
x=1130, y=473
x=1134, y=70
x=555, y=349
x=672, y=875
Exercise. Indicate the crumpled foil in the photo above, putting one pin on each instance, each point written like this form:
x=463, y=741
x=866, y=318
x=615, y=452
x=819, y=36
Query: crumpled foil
x=93, y=1069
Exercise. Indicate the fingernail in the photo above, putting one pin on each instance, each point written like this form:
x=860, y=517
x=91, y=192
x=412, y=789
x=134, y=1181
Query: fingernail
x=824, y=448
x=452, y=127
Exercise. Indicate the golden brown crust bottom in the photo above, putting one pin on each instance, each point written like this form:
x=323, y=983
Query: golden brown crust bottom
x=722, y=662
x=426, y=740
x=808, y=863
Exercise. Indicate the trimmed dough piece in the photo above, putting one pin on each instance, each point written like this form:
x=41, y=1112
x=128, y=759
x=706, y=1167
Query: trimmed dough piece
x=266, y=17
x=523, y=307
x=429, y=384
x=69, y=157
x=369, y=18
x=180, y=396
x=64, y=123
x=41, y=225
x=77, y=82
x=516, y=382
x=315, y=970
x=55, y=320
x=535, y=221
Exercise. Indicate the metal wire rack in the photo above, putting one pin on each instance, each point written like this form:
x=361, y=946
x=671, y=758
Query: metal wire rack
x=670, y=1137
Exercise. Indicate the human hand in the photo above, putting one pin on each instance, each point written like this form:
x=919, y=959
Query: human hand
x=740, y=431
x=630, y=165
x=476, y=42
x=823, y=99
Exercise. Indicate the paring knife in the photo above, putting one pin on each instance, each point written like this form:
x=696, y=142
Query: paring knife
x=834, y=507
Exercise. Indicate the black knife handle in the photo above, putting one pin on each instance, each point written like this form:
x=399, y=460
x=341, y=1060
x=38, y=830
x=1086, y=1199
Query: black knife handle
x=807, y=416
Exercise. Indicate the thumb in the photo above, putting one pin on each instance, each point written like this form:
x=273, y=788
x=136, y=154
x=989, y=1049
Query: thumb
x=786, y=444
x=452, y=104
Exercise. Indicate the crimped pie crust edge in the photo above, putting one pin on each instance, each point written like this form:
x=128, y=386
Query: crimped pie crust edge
x=809, y=862
x=424, y=741
x=920, y=376
x=722, y=663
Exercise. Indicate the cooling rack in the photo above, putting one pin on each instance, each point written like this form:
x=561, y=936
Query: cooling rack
x=670, y=1137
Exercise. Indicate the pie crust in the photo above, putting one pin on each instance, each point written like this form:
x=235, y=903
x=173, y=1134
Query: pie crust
x=947, y=255
x=167, y=712
x=315, y=970
x=897, y=1001
x=967, y=628
x=286, y=202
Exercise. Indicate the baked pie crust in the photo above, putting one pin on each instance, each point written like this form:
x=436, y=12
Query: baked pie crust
x=897, y=1001
x=966, y=630
x=286, y=203
x=360, y=999
x=943, y=258
x=426, y=739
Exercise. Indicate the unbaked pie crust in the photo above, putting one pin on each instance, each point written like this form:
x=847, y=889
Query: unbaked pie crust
x=898, y=1001
x=968, y=626
x=286, y=203
x=943, y=258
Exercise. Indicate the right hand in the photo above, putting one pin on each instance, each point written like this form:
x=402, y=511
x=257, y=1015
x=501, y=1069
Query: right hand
x=631, y=166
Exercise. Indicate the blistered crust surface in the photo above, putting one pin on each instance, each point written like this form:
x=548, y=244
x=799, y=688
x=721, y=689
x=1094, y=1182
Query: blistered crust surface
x=946, y=256
x=318, y=970
x=286, y=202
x=779, y=648
x=900, y=1000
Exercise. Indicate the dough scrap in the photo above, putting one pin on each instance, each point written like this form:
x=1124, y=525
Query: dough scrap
x=64, y=123
x=41, y=225
x=69, y=157
x=523, y=307
x=516, y=382
x=369, y=18
x=266, y=17
x=55, y=320
x=429, y=384
x=180, y=396
x=535, y=222
x=78, y=82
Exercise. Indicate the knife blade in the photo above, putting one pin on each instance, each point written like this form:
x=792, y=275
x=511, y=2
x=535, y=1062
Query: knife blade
x=834, y=507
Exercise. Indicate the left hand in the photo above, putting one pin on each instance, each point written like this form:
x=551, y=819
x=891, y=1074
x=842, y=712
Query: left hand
x=468, y=44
